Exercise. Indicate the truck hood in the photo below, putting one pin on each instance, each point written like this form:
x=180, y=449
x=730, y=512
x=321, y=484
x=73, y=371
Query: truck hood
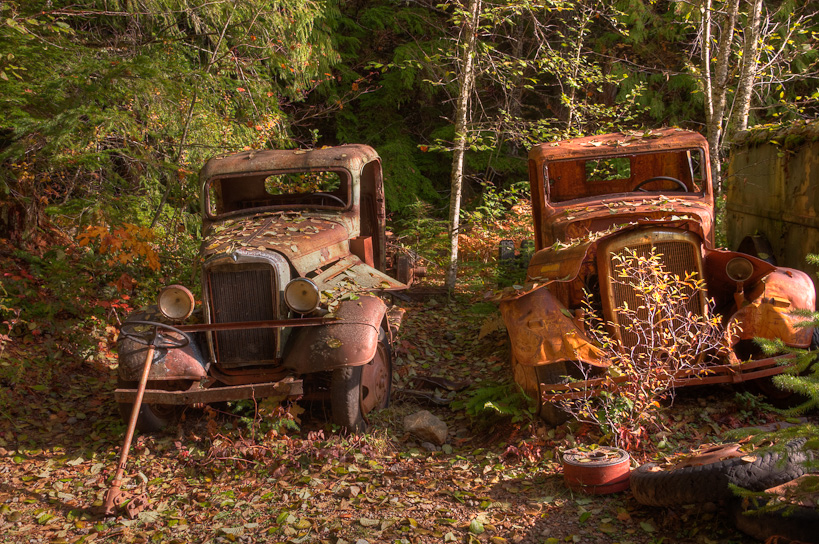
x=562, y=261
x=308, y=242
x=584, y=218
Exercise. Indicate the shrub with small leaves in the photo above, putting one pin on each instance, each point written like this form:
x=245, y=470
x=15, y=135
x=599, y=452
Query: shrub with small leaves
x=660, y=339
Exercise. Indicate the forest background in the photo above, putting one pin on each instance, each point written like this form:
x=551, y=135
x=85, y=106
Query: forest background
x=108, y=108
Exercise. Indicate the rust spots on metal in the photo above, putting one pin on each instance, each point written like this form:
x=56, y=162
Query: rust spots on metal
x=600, y=195
x=541, y=331
x=352, y=340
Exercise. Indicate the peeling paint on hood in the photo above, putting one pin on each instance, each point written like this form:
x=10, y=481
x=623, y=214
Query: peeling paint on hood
x=306, y=241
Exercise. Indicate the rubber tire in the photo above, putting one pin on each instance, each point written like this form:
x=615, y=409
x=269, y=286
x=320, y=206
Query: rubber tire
x=798, y=523
x=151, y=418
x=345, y=392
x=757, y=245
x=710, y=483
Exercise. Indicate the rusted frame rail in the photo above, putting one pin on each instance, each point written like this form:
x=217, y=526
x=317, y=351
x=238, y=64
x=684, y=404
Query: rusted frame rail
x=727, y=373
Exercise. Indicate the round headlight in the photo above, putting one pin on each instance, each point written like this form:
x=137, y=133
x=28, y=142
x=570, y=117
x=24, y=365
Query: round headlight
x=739, y=269
x=302, y=295
x=175, y=302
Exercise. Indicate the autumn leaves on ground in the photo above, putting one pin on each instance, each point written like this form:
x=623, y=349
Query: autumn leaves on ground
x=282, y=474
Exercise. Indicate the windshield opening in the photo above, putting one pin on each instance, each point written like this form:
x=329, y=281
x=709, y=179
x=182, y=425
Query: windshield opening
x=671, y=172
x=325, y=189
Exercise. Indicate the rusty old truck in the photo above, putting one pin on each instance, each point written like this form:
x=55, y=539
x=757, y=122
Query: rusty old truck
x=597, y=198
x=294, y=293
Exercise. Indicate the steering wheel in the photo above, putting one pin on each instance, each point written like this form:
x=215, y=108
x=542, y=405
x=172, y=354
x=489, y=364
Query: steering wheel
x=682, y=185
x=152, y=337
x=331, y=197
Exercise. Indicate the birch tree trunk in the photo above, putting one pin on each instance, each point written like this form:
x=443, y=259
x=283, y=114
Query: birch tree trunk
x=750, y=67
x=705, y=25
x=719, y=88
x=465, y=84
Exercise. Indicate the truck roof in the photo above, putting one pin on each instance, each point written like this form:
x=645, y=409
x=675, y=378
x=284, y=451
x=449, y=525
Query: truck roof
x=618, y=143
x=351, y=157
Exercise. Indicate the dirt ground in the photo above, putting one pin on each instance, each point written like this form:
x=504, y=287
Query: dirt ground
x=218, y=477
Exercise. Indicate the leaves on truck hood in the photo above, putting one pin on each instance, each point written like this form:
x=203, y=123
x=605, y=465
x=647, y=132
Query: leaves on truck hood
x=289, y=233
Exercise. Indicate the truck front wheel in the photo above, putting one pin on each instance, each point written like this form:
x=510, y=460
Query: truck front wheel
x=152, y=417
x=356, y=391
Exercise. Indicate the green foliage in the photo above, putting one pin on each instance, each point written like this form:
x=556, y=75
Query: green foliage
x=497, y=399
x=658, y=339
x=495, y=202
x=404, y=178
x=134, y=108
x=268, y=417
x=424, y=233
x=801, y=378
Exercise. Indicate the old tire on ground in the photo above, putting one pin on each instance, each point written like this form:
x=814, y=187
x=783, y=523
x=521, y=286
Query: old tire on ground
x=653, y=485
x=152, y=417
x=792, y=521
x=356, y=391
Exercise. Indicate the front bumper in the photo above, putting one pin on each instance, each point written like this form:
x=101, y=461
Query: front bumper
x=724, y=373
x=289, y=387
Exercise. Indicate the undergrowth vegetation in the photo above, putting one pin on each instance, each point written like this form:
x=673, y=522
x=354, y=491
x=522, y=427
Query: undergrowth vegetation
x=654, y=343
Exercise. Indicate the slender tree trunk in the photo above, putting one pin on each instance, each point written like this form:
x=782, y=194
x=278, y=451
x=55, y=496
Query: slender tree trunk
x=719, y=85
x=585, y=17
x=747, y=76
x=705, y=24
x=466, y=81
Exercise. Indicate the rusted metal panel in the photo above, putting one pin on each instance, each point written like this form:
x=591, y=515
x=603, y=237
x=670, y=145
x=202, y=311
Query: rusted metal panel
x=307, y=242
x=350, y=341
x=362, y=247
x=351, y=157
x=350, y=275
x=575, y=222
x=542, y=333
x=772, y=190
x=768, y=311
x=648, y=141
x=168, y=363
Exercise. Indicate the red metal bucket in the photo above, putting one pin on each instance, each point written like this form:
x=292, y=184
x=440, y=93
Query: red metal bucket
x=596, y=470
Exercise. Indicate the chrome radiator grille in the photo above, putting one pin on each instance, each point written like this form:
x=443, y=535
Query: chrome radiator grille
x=680, y=255
x=243, y=292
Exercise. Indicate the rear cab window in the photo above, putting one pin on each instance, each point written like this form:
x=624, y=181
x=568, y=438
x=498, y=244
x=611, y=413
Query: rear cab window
x=258, y=192
x=597, y=177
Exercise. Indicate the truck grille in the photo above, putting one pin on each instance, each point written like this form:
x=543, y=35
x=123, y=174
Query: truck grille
x=680, y=255
x=243, y=292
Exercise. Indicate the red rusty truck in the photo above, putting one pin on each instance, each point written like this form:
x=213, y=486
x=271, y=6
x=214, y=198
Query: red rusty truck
x=598, y=198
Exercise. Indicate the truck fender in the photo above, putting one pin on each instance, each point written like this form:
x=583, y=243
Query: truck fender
x=542, y=331
x=351, y=340
x=769, y=310
x=186, y=363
